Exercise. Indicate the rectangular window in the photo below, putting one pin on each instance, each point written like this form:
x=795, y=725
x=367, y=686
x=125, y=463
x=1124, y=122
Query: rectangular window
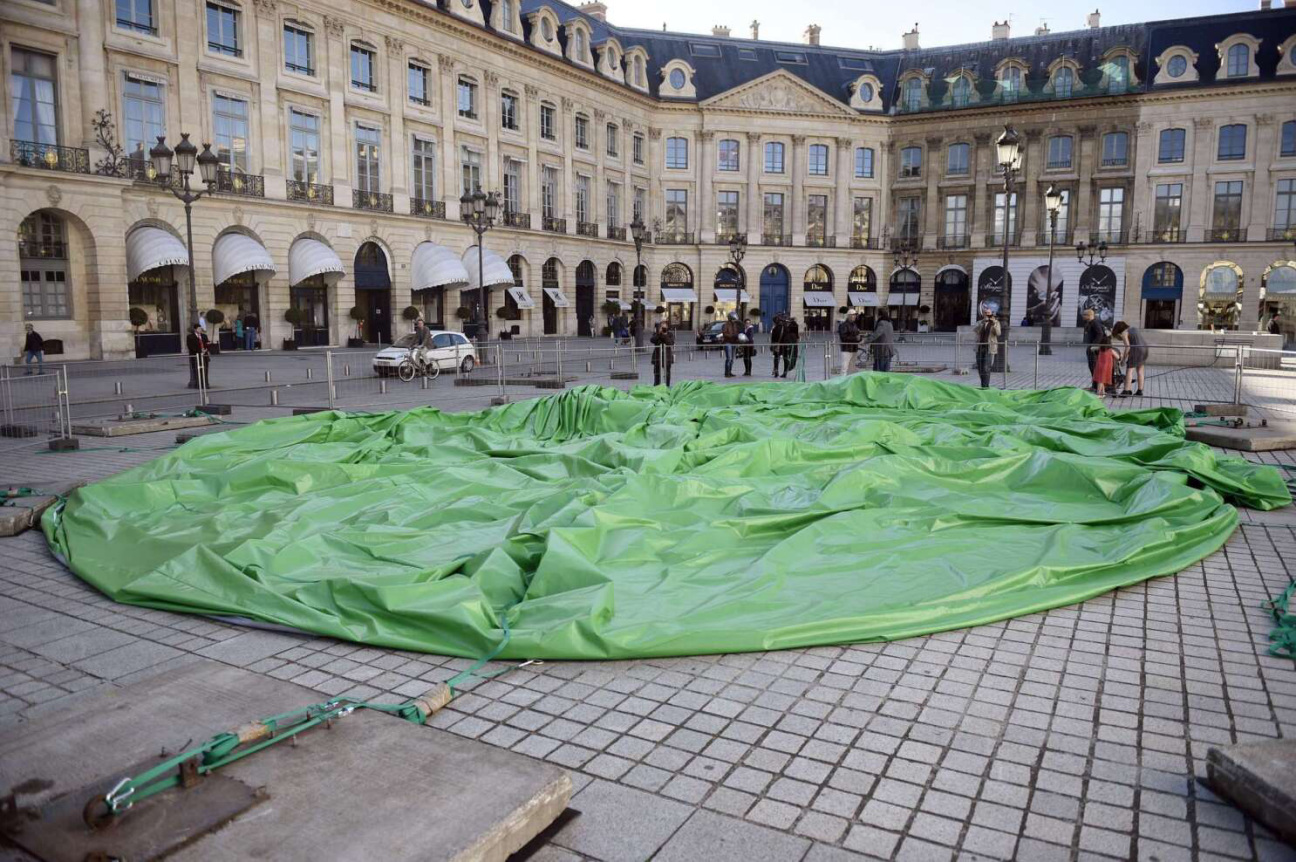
x=677, y=153
x=34, y=85
x=304, y=134
x=470, y=170
x=910, y=162
x=223, y=30
x=582, y=132
x=368, y=145
x=1169, y=205
x=1111, y=214
x=424, y=161
x=549, y=192
x=1170, y=146
x=230, y=132
x=862, y=219
x=726, y=214
x=1227, y=215
x=45, y=292
x=418, y=77
x=547, y=116
x=864, y=163
x=957, y=164
x=727, y=155
x=582, y=198
x=817, y=164
x=299, y=50
x=512, y=186
x=908, y=213
x=613, y=141
x=956, y=207
x=1059, y=152
x=1115, y=150
x=676, y=211
x=638, y=147
x=362, y=68
x=774, y=158
x=136, y=15
x=817, y=216
x=507, y=15
x=1063, y=218
x=467, y=98
x=144, y=120
x=640, y=204
x=1232, y=142
x=509, y=111
x=999, y=218
x=1288, y=146
x=613, y=204
x=1285, y=209
x=774, y=215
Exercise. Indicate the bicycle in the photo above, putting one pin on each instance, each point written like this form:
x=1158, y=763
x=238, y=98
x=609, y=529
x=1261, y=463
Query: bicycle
x=413, y=364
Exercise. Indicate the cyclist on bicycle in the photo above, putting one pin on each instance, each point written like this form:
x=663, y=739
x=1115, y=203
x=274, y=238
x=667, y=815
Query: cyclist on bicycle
x=422, y=340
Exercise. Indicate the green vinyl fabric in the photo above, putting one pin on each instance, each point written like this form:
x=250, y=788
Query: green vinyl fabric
x=705, y=518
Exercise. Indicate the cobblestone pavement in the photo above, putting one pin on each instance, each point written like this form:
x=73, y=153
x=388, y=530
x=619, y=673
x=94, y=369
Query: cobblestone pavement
x=1075, y=733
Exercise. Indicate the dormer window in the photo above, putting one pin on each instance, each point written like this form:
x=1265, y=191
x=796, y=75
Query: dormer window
x=1118, y=74
x=1177, y=66
x=677, y=79
x=913, y=94
x=1011, y=83
x=1239, y=61
x=546, y=29
x=581, y=52
x=508, y=11
x=961, y=92
x=1064, y=82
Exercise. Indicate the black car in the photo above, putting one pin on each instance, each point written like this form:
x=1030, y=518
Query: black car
x=710, y=335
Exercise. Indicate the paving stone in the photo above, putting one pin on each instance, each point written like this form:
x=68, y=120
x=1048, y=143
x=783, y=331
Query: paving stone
x=620, y=824
x=248, y=648
x=127, y=659
x=717, y=838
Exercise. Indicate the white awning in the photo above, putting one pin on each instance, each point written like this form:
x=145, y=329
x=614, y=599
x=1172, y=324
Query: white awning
x=147, y=248
x=556, y=294
x=493, y=268
x=237, y=253
x=436, y=266
x=902, y=299
x=521, y=297
x=626, y=306
x=678, y=294
x=819, y=299
x=309, y=257
x=726, y=294
x=862, y=299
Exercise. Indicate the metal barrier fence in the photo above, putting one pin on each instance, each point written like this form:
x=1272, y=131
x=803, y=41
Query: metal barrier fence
x=35, y=408
x=1267, y=379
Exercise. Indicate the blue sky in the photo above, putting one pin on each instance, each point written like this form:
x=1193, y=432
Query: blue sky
x=940, y=22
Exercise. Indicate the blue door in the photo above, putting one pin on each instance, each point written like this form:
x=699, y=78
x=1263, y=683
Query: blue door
x=774, y=293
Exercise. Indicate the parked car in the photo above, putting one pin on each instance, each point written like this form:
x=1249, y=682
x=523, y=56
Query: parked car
x=709, y=337
x=449, y=350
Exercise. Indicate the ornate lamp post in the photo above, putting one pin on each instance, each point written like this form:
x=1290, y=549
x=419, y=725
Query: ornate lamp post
x=639, y=233
x=904, y=253
x=1087, y=252
x=480, y=211
x=1008, y=148
x=185, y=157
x=737, y=251
x=1053, y=204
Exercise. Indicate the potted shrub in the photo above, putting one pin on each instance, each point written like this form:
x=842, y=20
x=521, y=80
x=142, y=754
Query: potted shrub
x=411, y=313
x=661, y=309
x=710, y=309
x=357, y=315
x=138, y=317
x=611, y=307
x=215, y=317
x=753, y=312
x=294, y=317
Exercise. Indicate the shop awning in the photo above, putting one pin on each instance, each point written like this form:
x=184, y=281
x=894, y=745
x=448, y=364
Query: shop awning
x=309, y=257
x=494, y=271
x=148, y=248
x=1281, y=281
x=556, y=294
x=862, y=299
x=521, y=297
x=902, y=299
x=678, y=294
x=728, y=294
x=436, y=266
x=237, y=253
x=819, y=299
x=626, y=306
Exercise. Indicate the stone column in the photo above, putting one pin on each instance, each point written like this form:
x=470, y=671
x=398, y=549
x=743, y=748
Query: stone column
x=1028, y=189
x=569, y=173
x=798, y=190
x=1085, y=221
x=656, y=190
x=755, y=200
x=1144, y=191
x=841, y=223
x=398, y=179
x=531, y=200
x=598, y=194
x=492, y=177
x=92, y=76
x=932, y=209
x=1256, y=227
x=337, y=81
x=273, y=164
x=706, y=198
x=886, y=175
x=982, y=174
x=450, y=190
x=1199, y=187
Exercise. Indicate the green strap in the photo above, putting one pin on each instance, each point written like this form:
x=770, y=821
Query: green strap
x=1282, y=640
x=463, y=676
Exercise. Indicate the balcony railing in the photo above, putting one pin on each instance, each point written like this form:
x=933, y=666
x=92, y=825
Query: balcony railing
x=818, y=240
x=1226, y=234
x=587, y=228
x=50, y=157
x=517, y=220
x=555, y=225
x=247, y=185
x=776, y=239
x=1170, y=234
x=674, y=238
x=616, y=233
x=912, y=242
x=1111, y=237
x=310, y=192
x=1115, y=163
x=376, y=201
x=1282, y=234
x=1063, y=237
x=956, y=241
x=427, y=208
x=996, y=240
x=864, y=242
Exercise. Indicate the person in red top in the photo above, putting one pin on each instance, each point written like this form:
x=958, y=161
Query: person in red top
x=1104, y=362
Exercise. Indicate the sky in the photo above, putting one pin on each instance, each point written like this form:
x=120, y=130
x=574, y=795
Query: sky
x=880, y=25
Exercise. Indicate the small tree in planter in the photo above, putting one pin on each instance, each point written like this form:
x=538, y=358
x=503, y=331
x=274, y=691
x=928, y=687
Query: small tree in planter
x=357, y=315
x=411, y=313
x=611, y=307
x=215, y=317
x=463, y=312
x=294, y=316
x=753, y=312
x=138, y=317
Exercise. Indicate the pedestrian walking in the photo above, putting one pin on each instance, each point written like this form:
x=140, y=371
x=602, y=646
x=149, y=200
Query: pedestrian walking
x=1104, y=363
x=1135, y=350
x=848, y=337
x=747, y=346
x=1093, y=335
x=729, y=338
x=250, y=326
x=663, y=355
x=882, y=340
x=33, y=348
x=987, y=333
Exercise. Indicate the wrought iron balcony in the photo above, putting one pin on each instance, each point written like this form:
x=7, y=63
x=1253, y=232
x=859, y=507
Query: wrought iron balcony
x=427, y=208
x=236, y=183
x=955, y=241
x=1111, y=237
x=1165, y=235
x=907, y=242
x=725, y=237
x=616, y=233
x=996, y=240
x=555, y=225
x=50, y=157
x=818, y=240
x=864, y=242
x=674, y=238
x=376, y=201
x=517, y=220
x=587, y=228
x=776, y=239
x=1282, y=234
x=310, y=192
x=1226, y=234
x=1063, y=237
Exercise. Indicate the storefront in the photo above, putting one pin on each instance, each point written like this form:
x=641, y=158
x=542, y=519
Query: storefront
x=1162, y=295
x=1278, y=300
x=1219, y=300
x=818, y=298
x=862, y=296
x=239, y=262
x=902, y=300
x=678, y=295
x=554, y=299
x=730, y=293
x=313, y=270
x=434, y=270
x=775, y=293
x=155, y=260
x=953, y=300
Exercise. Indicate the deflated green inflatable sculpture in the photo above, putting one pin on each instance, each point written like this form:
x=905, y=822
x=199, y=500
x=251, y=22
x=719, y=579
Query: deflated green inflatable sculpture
x=705, y=518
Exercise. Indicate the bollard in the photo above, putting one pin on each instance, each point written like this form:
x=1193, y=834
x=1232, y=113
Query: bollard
x=382, y=386
x=130, y=410
x=274, y=397
x=267, y=380
x=587, y=370
x=117, y=387
x=346, y=369
x=424, y=382
x=310, y=373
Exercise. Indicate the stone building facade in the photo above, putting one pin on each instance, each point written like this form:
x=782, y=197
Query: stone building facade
x=348, y=130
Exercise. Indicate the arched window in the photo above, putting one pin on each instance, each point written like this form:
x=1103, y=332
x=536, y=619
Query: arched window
x=862, y=279
x=727, y=155
x=1220, y=297
x=515, y=264
x=1118, y=74
x=1239, y=61
x=1064, y=82
x=676, y=275
x=549, y=272
x=773, y=157
x=43, y=262
x=961, y=92
x=818, y=277
x=641, y=276
x=913, y=94
x=580, y=50
x=1232, y=142
x=585, y=272
x=613, y=275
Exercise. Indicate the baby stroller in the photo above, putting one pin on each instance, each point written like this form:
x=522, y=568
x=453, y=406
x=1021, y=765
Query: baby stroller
x=1118, y=376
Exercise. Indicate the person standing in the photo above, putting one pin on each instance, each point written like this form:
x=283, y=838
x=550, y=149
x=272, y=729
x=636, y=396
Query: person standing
x=791, y=343
x=250, y=325
x=238, y=332
x=748, y=348
x=1093, y=336
x=883, y=341
x=1104, y=363
x=663, y=355
x=194, y=344
x=729, y=338
x=848, y=336
x=776, y=340
x=1135, y=350
x=33, y=348
x=987, y=344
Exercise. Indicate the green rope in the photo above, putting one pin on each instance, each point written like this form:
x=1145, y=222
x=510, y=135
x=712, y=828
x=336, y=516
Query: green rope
x=472, y=671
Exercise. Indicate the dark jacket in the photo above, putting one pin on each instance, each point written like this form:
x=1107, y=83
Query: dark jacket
x=776, y=331
x=1093, y=332
x=664, y=352
x=34, y=343
x=729, y=334
x=251, y=322
x=791, y=332
x=849, y=335
x=193, y=343
x=882, y=339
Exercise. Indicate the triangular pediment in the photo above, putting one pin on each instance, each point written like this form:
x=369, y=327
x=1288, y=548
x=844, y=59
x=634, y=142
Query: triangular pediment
x=779, y=92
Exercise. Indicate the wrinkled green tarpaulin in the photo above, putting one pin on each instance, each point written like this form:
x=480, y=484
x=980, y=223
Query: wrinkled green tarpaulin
x=704, y=518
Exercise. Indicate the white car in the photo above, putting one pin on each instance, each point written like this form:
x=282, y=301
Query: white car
x=449, y=350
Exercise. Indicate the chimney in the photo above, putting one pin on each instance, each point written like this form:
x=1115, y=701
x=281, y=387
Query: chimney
x=720, y=31
x=595, y=9
x=911, y=39
x=1042, y=30
x=812, y=34
x=999, y=32
x=1266, y=5
x=1094, y=21
x=755, y=30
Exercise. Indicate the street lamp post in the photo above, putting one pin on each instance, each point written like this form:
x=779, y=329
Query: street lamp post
x=1052, y=203
x=479, y=211
x=1008, y=147
x=185, y=156
x=1087, y=253
x=639, y=233
x=737, y=251
x=904, y=254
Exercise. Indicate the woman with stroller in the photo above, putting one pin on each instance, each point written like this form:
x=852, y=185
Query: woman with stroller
x=1135, y=350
